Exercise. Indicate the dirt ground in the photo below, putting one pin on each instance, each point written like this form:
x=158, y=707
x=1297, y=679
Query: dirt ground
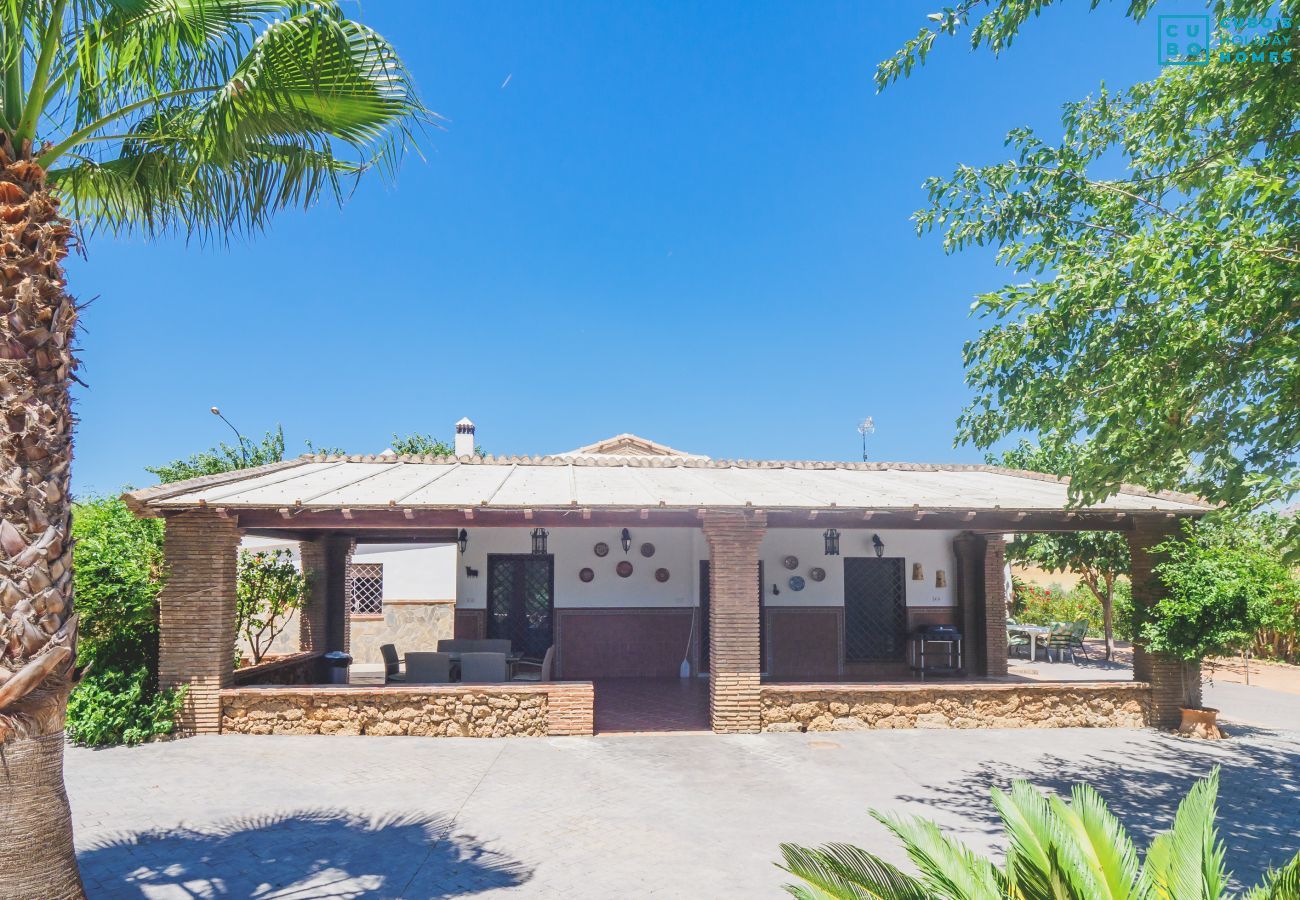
x=1271, y=675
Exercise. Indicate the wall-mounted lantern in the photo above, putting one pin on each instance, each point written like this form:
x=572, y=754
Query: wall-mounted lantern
x=539, y=541
x=879, y=545
x=832, y=538
x=462, y=540
x=626, y=540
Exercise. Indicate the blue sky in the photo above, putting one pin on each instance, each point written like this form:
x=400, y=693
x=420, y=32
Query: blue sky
x=684, y=220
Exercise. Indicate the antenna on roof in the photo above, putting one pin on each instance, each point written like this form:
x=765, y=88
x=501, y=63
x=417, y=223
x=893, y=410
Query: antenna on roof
x=865, y=427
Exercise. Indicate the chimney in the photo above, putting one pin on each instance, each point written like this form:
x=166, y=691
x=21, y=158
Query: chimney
x=464, y=438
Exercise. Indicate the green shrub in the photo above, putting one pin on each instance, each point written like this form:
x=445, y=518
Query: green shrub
x=117, y=575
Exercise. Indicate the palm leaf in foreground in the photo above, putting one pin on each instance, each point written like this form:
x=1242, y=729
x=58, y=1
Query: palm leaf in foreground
x=1056, y=851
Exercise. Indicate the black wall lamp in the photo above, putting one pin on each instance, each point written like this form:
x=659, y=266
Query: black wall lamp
x=539, y=541
x=832, y=538
x=462, y=540
x=626, y=540
x=879, y=545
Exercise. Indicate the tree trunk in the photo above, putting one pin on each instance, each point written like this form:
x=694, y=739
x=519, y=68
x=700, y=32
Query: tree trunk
x=37, y=626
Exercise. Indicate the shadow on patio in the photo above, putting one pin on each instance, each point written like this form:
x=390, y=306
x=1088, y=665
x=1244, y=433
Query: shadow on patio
x=1259, y=792
x=313, y=853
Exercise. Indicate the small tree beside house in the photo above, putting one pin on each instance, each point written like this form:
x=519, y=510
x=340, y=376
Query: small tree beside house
x=270, y=590
x=1099, y=558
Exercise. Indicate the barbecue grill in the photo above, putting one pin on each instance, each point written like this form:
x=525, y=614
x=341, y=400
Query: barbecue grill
x=949, y=659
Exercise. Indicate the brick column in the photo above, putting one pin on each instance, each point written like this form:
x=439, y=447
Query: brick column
x=338, y=550
x=312, y=631
x=196, y=614
x=1174, y=683
x=735, y=666
x=982, y=596
x=995, y=605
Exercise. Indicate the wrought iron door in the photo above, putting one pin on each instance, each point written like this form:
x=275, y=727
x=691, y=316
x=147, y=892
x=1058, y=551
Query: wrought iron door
x=521, y=601
x=875, y=609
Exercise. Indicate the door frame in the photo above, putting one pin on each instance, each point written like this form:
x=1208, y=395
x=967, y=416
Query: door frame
x=550, y=612
x=901, y=563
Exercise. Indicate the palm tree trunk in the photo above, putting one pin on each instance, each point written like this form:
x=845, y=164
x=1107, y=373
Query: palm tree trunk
x=37, y=626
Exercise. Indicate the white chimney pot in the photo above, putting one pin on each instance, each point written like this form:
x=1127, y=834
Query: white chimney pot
x=464, y=438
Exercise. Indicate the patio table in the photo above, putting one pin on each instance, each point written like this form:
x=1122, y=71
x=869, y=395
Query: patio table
x=1033, y=632
x=511, y=659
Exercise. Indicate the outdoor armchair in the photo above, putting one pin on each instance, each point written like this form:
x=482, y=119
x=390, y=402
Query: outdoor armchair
x=392, y=665
x=428, y=668
x=483, y=668
x=1016, y=639
x=542, y=669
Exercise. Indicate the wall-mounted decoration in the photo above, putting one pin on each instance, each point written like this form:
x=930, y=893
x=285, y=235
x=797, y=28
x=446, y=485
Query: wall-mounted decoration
x=879, y=545
x=817, y=574
x=940, y=578
x=796, y=582
x=661, y=575
x=647, y=550
x=623, y=569
x=790, y=562
x=918, y=573
x=601, y=549
x=471, y=572
x=832, y=538
x=626, y=540
x=586, y=575
x=776, y=591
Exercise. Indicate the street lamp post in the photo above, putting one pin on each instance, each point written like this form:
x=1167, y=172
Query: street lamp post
x=243, y=451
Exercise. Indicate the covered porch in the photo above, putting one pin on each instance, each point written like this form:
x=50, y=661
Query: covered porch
x=791, y=594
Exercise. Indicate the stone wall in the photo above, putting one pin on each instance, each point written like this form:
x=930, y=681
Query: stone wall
x=514, y=710
x=407, y=624
x=850, y=707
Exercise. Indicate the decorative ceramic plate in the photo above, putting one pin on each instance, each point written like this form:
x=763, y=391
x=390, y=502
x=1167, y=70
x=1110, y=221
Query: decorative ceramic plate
x=796, y=582
x=586, y=575
x=790, y=562
x=647, y=550
x=817, y=574
x=661, y=575
x=623, y=569
x=601, y=549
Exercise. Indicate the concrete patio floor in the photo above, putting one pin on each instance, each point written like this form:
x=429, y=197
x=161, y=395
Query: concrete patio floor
x=613, y=816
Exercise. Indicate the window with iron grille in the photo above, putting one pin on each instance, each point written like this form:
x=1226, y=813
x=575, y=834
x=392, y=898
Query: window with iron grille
x=367, y=588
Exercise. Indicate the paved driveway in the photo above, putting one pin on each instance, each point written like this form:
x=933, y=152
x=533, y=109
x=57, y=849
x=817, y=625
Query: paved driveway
x=607, y=817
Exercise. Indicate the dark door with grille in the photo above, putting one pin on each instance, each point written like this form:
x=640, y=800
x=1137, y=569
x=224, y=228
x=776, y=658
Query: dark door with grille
x=875, y=609
x=521, y=601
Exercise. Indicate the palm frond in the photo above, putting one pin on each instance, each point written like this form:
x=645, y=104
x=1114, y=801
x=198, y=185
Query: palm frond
x=845, y=872
x=949, y=869
x=1027, y=818
x=1098, y=859
x=1278, y=884
x=1187, y=860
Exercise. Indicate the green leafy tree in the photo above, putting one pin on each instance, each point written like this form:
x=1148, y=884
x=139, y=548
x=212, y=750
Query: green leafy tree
x=1055, y=851
x=1223, y=585
x=117, y=578
x=1158, y=244
x=417, y=444
x=198, y=118
x=270, y=590
x=1099, y=558
x=224, y=458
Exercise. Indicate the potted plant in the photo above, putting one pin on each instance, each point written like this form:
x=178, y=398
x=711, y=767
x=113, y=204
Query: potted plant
x=1221, y=583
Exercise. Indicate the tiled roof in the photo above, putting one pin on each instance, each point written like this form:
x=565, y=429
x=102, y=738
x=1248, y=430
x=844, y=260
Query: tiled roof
x=361, y=482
